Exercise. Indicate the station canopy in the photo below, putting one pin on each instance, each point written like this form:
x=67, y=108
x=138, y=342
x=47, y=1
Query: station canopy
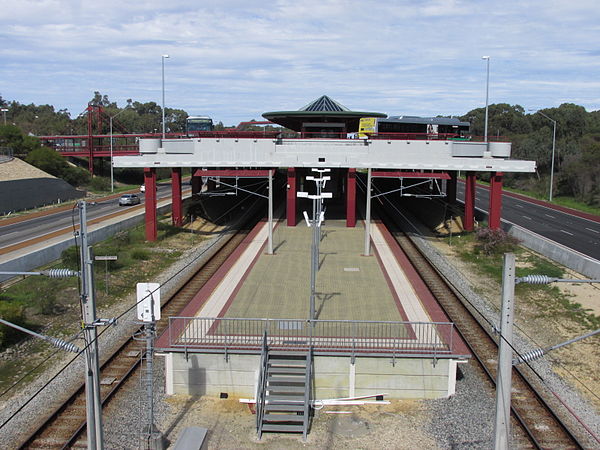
x=322, y=110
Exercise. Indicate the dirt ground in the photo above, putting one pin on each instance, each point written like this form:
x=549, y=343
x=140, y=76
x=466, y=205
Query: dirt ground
x=577, y=363
x=232, y=426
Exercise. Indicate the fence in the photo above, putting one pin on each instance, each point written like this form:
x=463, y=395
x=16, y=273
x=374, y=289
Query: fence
x=323, y=336
x=6, y=154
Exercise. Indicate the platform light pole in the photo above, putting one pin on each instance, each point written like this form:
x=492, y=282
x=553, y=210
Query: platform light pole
x=553, y=148
x=487, y=97
x=315, y=223
x=163, y=57
x=4, y=111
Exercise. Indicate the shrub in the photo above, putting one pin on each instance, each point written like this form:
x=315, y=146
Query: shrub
x=70, y=258
x=76, y=176
x=15, y=314
x=100, y=184
x=140, y=254
x=494, y=242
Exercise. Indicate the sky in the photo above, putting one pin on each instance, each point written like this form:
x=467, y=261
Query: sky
x=234, y=59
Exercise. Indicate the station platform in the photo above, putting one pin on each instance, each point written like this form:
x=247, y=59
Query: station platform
x=350, y=286
x=377, y=326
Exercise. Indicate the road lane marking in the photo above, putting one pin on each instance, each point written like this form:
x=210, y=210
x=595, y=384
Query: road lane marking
x=566, y=232
x=526, y=217
x=518, y=206
x=548, y=215
x=593, y=231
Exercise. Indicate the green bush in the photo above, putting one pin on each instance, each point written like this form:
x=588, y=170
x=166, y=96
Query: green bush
x=100, y=184
x=70, y=258
x=15, y=314
x=140, y=254
x=76, y=176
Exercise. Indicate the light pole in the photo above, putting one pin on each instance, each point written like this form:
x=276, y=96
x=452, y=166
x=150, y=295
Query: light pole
x=4, y=111
x=112, y=179
x=487, y=96
x=552, y=162
x=163, y=94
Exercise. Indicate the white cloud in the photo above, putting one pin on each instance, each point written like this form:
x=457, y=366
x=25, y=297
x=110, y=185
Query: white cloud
x=235, y=59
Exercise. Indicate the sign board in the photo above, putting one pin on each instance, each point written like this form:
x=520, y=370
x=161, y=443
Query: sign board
x=105, y=258
x=148, y=302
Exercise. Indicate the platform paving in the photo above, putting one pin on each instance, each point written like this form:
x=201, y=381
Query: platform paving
x=350, y=286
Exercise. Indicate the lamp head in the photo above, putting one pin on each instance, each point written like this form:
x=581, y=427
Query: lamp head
x=485, y=57
x=165, y=56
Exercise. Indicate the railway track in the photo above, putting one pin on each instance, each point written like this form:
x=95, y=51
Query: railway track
x=531, y=411
x=66, y=426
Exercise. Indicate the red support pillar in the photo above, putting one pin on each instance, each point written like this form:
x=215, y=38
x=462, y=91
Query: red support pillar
x=495, y=208
x=351, y=198
x=150, y=204
x=292, y=185
x=196, y=182
x=176, y=202
x=469, y=219
x=451, y=188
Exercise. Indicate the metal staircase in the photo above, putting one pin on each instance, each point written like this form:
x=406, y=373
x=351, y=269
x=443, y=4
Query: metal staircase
x=283, y=394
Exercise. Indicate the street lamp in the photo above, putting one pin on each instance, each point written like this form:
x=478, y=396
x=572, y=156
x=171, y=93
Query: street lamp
x=163, y=94
x=112, y=178
x=4, y=111
x=487, y=92
x=553, y=148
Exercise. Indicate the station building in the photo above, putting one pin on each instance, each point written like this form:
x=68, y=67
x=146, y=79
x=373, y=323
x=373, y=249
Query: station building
x=378, y=328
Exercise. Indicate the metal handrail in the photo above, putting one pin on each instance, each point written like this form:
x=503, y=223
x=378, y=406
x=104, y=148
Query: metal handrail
x=261, y=386
x=341, y=336
x=307, y=392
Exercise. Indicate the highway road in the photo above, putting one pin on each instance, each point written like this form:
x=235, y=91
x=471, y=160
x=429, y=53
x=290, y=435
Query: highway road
x=577, y=233
x=20, y=232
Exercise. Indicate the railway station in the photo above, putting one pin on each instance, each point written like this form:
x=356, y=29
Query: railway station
x=371, y=326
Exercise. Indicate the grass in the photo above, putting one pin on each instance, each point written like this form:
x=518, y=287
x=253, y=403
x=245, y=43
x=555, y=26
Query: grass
x=52, y=306
x=549, y=300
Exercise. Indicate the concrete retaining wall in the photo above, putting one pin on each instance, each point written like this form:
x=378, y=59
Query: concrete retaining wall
x=334, y=376
x=556, y=252
x=37, y=258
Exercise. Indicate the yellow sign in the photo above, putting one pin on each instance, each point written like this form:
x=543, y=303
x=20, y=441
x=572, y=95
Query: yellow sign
x=367, y=126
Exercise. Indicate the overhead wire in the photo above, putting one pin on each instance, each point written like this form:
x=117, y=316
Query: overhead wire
x=46, y=384
x=489, y=322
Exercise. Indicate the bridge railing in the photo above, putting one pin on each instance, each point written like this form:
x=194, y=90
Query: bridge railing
x=323, y=336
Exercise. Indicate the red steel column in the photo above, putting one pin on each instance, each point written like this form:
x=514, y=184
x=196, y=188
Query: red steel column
x=196, y=182
x=351, y=198
x=176, y=202
x=495, y=208
x=150, y=204
x=469, y=219
x=451, y=188
x=291, y=197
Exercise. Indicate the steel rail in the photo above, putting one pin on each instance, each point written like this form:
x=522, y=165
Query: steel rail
x=534, y=413
x=65, y=426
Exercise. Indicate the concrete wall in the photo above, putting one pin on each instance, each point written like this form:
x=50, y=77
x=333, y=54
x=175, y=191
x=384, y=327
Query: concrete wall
x=334, y=376
x=556, y=252
x=52, y=252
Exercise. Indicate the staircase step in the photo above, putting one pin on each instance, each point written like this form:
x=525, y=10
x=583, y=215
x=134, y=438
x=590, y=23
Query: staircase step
x=284, y=407
x=283, y=379
x=295, y=355
x=287, y=370
x=279, y=399
x=291, y=363
x=285, y=389
x=278, y=417
x=283, y=428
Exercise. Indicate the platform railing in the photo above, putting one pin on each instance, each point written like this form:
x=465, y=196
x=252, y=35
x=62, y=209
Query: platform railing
x=323, y=336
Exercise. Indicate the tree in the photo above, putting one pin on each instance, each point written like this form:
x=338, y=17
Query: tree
x=48, y=160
